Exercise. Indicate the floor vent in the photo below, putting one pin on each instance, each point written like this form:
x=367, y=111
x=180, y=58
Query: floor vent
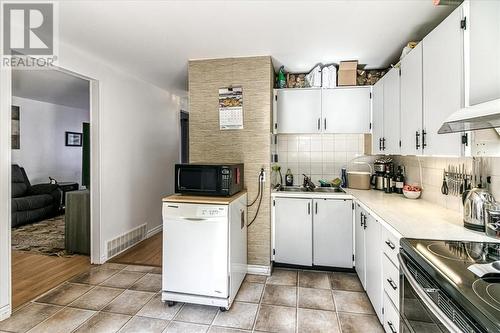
x=125, y=241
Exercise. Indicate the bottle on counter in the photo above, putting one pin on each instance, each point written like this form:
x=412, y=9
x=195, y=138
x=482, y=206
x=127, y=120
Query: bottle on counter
x=388, y=182
x=400, y=180
x=343, y=175
x=288, y=178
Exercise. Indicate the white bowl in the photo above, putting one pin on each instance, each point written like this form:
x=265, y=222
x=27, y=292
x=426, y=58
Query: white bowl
x=412, y=194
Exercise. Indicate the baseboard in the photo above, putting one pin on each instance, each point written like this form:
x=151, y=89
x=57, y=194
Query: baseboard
x=154, y=231
x=5, y=312
x=259, y=270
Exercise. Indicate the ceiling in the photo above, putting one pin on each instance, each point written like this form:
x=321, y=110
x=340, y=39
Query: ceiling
x=155, y=39
x=51, y=86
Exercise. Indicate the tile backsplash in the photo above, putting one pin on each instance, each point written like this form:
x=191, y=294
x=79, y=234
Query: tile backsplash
x=320, y=156
x=432, y=176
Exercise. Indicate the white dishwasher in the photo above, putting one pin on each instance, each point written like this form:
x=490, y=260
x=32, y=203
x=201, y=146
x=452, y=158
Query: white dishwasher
x=204, y=249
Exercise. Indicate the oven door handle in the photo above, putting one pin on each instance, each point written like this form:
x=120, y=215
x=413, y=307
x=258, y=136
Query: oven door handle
x=436, y=311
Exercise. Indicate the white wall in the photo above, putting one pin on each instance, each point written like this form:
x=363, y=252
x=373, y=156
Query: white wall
x=139, y=144
x=43, y=151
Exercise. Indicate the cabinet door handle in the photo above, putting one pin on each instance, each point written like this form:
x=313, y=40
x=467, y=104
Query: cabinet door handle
x=393, y=285
x=383, y=143
x=361, y=219
x=391, y=326
x=308, y=208
x=379, y=143
x=324, y=121
x=319, y=124
x=389, y=244
x=424, y=144
x=364, y=222
x=417, y=141
x=316, y=207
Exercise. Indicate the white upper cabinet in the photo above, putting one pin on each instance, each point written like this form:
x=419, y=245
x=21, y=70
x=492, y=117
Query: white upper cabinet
x=338, y=110
x=378, y=117
x=392, y=125
x=482, y=51
x=298, y=111
x=346, y=110
x=411, y=102
x=443, y=88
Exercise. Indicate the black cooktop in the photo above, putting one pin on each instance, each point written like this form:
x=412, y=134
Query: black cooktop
x=447, y=262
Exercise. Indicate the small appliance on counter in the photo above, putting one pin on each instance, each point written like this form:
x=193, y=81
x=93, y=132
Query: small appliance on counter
x=359, y=180
x=382, y=166
x=444, y=289
x=209, y=179
x=475, y=202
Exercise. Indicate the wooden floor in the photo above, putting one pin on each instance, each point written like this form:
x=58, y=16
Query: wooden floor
x=148, y=252
x=34, y=274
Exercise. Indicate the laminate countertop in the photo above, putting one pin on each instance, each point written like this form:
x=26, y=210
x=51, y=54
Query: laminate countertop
x=417, y=218
x=203, y=199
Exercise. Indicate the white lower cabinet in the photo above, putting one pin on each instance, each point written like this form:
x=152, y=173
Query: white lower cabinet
x=368, y=260
x=359, y=244
x=293, y=231
x=313, y=231
x=391, y=316
x=332, y=233
x=373, y=263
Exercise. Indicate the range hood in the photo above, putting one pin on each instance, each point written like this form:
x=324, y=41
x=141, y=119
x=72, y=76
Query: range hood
x=476, y=117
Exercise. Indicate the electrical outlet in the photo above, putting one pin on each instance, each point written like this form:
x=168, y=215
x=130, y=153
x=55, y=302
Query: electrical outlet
x=263, y=177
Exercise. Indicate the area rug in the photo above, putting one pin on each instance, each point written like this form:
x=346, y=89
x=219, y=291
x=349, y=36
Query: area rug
x=45, y=237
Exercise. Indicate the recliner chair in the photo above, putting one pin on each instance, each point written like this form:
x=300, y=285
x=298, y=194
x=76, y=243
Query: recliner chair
x=32, y=203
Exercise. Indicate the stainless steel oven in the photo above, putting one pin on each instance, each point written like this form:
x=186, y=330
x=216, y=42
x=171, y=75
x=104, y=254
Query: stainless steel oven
x=424, y=306
x=208, y=179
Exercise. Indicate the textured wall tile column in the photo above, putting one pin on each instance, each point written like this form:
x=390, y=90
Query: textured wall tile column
x=251, y=145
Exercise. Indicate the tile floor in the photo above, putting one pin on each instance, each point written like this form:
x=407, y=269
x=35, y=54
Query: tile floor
x=120, y=298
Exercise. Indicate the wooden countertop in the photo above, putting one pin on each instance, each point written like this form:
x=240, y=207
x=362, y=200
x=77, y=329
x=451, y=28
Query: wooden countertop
x=203, y=199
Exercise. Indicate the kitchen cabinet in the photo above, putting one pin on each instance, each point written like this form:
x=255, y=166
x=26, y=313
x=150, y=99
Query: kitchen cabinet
x=378, y=117
x=298, y=111
x=332, y=233
x=359, y=243
x=338, y=110
x=373, y=263
x=293, y=231
x=411, y=102
x=392, y=125
x=368, y=256
x=482, y=56
x=386, y=114
x=346, y=110
x=313, y=231
x=443, y=84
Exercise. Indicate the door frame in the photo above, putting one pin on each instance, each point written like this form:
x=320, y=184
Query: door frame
x=97, y=253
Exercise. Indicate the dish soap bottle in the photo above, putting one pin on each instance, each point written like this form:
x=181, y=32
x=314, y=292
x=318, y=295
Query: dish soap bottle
x=288, y=178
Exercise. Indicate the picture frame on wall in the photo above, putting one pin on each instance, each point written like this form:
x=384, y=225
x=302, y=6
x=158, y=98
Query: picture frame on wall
x=16, y=127
x=74, y=139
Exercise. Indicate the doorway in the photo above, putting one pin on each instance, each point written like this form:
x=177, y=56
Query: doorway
x=22, y=270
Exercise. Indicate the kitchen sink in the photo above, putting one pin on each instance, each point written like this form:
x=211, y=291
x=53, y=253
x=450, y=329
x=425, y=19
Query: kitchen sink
x=317, y=189
x=329, y=190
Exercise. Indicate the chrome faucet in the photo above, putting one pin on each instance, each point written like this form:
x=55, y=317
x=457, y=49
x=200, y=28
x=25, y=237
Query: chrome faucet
x=308, y=184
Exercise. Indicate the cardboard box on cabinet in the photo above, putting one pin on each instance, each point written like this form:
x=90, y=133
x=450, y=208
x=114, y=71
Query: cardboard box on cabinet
x=347, y=73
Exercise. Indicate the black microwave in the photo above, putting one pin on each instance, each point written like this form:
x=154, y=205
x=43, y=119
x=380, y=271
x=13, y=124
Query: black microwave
x=208, y=179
